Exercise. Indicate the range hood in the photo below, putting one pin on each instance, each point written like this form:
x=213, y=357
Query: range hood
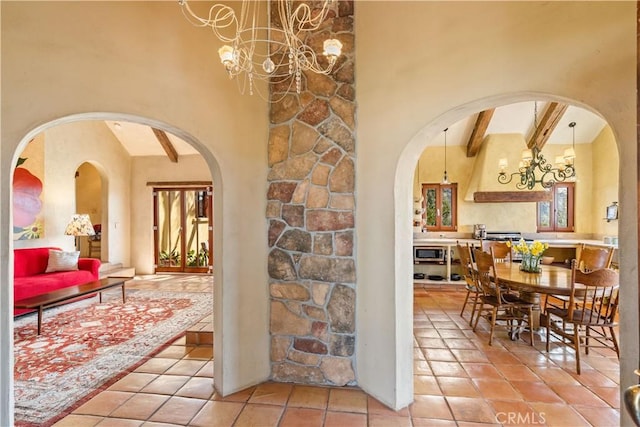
x=484, y=186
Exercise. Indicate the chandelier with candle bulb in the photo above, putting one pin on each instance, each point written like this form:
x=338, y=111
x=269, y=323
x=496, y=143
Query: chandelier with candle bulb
x=278, y=54
x=535, y=169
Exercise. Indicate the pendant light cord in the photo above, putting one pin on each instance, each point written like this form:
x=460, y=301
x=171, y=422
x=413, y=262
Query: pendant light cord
x=445, y=179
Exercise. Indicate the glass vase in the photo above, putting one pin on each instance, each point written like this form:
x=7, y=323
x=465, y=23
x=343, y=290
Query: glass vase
x=530, y=263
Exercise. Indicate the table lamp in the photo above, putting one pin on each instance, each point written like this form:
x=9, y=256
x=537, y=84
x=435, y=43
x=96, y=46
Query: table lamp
x=80, y=225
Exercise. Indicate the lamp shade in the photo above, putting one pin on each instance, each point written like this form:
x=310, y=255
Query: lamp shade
x=80, y=225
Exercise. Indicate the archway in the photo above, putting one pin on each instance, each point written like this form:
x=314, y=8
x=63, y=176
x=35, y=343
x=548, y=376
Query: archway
x=89, y=200
x=108, y=186
x=403, y=185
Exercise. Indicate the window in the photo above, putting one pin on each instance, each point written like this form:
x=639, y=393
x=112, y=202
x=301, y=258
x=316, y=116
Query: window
x=441, y=210
x=557, y=214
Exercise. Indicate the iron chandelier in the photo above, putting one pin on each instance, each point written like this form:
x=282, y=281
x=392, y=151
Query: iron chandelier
x=535, y=169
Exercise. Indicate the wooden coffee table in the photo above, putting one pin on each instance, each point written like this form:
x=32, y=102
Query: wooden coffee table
x=56, y=297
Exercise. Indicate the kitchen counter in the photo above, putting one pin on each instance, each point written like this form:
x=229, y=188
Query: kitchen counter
x=558, y=243
x=562, y=249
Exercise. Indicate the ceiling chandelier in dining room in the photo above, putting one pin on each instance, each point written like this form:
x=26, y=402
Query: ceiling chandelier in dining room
x=535, y=169
x=279, y=53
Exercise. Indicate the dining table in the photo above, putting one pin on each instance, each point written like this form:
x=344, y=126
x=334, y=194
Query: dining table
x=551, y=280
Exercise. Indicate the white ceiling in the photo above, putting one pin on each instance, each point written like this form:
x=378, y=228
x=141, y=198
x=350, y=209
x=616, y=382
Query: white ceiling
x=520, y=118
x=139, y=140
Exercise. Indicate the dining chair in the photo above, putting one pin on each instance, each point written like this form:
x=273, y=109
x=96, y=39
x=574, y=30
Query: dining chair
x=594, y=257
x=591, y=311
x=501, y=251
x=589, y=258
x=496, y=305
x=95, y=241
x=473, y=293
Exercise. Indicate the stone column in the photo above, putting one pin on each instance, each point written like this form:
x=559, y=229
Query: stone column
x=311, y=210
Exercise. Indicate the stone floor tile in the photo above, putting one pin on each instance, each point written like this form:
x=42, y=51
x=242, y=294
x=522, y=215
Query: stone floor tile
x=104, y=403
x=302, y=417
x=140, y=406
x=186, y=367
x=217, y=414
x=447, y=369
x=376, y=420
x=197, y=387
x=377, y=408
x=309, y=397
x=496, y=389
x=166, y=384
x=461, y=387
x=133, y=382
x=74, y=420
x=536, y=392
x=259, y=415
x=430, y=407
x=178, y=410
x=471, y=409
x=271, y=393
x=156, y=365
x=559, y=415
x=347, y=400
x=598, y=416
x=426, y=384
x=343, y=419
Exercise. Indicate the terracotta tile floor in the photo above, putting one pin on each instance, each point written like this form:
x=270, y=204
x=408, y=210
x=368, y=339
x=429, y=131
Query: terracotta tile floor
x=459, y=380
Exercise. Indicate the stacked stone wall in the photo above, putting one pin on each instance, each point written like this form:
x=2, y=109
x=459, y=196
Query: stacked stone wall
x=311, y=214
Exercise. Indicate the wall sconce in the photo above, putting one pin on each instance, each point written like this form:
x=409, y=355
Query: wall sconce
x=612, y=212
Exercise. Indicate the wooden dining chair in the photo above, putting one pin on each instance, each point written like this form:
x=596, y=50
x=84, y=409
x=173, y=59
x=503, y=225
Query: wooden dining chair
x=473, y=293
x=591, y=311
x=501, y=251
x=499, y=306
x=594, y=257
x=589, y=258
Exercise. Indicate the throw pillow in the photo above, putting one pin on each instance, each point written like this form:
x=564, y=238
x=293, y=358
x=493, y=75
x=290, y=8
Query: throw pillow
x=62, y=261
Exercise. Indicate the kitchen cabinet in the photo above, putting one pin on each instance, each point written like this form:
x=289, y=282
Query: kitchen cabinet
x=442, y=268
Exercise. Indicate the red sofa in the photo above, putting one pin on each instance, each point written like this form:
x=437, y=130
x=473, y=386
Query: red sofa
x=30, y=279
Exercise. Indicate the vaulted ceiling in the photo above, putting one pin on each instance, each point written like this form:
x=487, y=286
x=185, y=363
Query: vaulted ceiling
x=540, y=122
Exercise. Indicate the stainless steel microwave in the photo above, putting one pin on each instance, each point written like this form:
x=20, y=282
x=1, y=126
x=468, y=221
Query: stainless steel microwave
x=429, y=254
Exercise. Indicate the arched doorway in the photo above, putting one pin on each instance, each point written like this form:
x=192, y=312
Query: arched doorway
x=404, y=197
x=89, y=194
x=117, y=222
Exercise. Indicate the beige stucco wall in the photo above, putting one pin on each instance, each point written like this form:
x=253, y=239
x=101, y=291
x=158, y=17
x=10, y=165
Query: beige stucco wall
x=605, y=186
x=441, y=62
x=65, y=61
x=155, y=169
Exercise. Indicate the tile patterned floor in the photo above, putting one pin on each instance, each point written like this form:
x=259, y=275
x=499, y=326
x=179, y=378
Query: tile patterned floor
x=459, y=380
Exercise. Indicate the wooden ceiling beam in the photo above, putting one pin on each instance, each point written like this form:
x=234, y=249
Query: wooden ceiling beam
x=548, y=123
x=163, y=139
x=479, y=129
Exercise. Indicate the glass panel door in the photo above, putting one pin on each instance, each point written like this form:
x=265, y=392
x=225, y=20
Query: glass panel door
x=183, y=229
x=197, y=229
x=169, y=230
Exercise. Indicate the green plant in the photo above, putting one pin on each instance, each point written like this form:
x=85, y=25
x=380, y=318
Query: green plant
x=169, y=258
x=199, y=260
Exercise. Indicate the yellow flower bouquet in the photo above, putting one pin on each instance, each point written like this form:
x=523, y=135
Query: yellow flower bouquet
x=531, y=254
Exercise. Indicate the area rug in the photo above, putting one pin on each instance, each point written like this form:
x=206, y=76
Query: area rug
x=85, y=344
